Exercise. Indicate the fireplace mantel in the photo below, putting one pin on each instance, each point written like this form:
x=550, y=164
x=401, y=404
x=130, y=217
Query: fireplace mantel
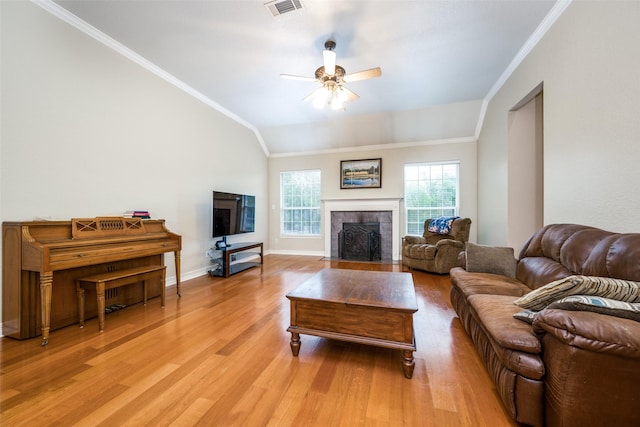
x=369, y=204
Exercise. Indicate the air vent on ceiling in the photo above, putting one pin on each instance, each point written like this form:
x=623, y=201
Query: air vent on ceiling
x=280, y=7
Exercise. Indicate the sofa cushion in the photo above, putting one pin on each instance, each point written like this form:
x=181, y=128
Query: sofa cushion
x=495, y=314
x=602, y=305
x=501, y=360
x=538, y=271
x=490, y=259
x=622, y=290
x=485, y=283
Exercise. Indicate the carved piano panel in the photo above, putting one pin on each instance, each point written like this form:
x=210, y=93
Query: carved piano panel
x=38, y=253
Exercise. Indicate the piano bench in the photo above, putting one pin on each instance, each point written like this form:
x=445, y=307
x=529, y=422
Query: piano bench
x=114, y=279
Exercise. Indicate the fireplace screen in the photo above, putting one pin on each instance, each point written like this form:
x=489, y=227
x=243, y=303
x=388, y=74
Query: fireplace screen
x=359, y=241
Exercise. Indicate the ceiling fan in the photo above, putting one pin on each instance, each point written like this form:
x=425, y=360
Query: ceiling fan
x=332, y=77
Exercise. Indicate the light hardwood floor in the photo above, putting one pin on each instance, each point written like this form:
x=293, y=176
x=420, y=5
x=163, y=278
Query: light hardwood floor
x=220, y=356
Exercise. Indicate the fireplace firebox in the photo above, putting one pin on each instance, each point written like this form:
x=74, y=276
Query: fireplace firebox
x=359, y=241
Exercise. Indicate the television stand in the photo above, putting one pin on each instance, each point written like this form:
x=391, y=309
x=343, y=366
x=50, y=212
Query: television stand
x=229, y=262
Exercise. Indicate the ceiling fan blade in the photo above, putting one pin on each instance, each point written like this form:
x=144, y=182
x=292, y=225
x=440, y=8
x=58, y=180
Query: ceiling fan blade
x=363, y=75
x=351, y=96
x=302, y=78
x=314, y=94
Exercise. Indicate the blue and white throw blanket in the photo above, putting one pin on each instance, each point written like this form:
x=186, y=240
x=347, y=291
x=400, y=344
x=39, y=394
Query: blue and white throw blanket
x=441, y=225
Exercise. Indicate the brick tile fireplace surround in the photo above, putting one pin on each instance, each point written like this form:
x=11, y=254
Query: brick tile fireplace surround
x=386, y=211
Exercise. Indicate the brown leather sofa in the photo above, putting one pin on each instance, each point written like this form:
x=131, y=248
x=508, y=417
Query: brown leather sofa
x=433, y=252
x=569, y=368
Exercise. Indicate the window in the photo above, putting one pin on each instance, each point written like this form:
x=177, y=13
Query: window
x=300, y=202
x=430, y=191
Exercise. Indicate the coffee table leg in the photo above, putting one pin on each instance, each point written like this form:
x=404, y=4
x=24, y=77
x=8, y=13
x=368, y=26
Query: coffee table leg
x=295, y=343
x=408, y=363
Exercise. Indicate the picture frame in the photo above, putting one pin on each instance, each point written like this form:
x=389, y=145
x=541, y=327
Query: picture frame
x=365, y=173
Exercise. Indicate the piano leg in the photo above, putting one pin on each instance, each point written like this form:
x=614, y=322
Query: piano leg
x=164, y=287
x=46, y=280
x=177, y=262
x=101, y=304
x=80, y=292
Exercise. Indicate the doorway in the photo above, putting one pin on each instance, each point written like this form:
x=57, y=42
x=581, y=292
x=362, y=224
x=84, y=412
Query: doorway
x=526, y=169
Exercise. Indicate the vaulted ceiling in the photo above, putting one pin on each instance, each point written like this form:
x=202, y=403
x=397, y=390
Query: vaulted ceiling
x=439, y=60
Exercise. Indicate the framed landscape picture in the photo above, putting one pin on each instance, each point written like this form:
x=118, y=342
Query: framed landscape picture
x=365, y=173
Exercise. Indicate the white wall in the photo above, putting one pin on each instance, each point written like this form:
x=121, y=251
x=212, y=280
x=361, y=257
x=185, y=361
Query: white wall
x=590, y=67
x=393, y=161
x=86, y=132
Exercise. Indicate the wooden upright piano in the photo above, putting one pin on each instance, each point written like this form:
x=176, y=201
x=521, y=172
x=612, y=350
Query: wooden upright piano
x=41, y=261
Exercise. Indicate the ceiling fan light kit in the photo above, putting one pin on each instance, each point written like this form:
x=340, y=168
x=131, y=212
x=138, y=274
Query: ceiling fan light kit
x=332, y=76
x=330, y=94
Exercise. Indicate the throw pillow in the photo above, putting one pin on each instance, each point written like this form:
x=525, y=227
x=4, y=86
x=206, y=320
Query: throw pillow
x=601, y=305
x=490, y=259
x=526, y=316
x=441, y=225
x=617, y=289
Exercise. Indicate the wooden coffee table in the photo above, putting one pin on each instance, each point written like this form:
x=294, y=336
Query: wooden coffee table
x=367, y=307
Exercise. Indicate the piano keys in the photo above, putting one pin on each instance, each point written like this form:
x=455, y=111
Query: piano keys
x=41, y=261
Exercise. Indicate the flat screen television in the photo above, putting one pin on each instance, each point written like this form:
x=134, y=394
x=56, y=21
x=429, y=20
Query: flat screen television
x=233, y=214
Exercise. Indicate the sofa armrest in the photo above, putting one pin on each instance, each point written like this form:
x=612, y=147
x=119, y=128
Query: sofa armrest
x=412, y=240
x=592, y=368
x=590, y=331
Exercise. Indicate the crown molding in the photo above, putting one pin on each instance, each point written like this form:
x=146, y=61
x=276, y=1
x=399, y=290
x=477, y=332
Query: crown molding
x=524, y=51
x=389, y=146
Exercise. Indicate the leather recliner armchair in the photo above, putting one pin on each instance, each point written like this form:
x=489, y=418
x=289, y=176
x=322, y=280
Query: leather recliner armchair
x=434, y=252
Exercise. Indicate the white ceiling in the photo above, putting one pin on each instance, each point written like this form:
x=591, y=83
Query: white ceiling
x=432, y=54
